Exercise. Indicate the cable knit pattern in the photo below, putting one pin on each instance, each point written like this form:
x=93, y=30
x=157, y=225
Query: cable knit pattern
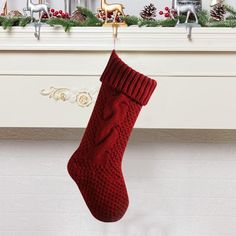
x=96, y=165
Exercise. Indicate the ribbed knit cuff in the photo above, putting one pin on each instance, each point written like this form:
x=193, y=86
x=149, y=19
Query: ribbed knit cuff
x=130, y=82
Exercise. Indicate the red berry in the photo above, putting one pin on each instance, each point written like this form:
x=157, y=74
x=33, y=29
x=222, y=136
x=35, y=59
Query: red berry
x=63, y=15
x=52, y=10
x=60, y=11
x=67, y=15
x=167, y=15
x=167, y=8
x=161, y=12
x=55, y=13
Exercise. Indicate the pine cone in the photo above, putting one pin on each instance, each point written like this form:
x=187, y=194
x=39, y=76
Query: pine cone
x=15, y=13
x=77, y=15
x=218, y=12
x=149, y=12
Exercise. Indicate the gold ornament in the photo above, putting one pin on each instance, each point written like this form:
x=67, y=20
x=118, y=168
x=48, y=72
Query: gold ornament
x=84, y=99
x=114, y=8
x=81, y=98
x=215, y=2
x=58, y=94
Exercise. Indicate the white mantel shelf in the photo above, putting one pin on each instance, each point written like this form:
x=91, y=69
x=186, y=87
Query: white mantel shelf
x=196, y=79
x=129, y=39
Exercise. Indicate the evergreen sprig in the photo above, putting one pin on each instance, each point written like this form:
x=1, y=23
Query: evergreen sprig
x=158, y=23
x=67, y=24
x=131, y=20
x=8, y=22
x=230, y=9
x=1, y=20
x=203, y=17
x=91, y=20
x=24, y=21
x=231, y=17
x=226, y=23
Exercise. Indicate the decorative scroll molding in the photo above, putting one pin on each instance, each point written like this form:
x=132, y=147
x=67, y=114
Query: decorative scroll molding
x=83, y=98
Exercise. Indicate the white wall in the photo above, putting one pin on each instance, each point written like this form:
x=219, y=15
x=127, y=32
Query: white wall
x=175, y=188
x=132, y=7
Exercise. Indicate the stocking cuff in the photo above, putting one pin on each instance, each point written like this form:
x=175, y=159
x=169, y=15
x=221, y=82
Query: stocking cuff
x=130, y=82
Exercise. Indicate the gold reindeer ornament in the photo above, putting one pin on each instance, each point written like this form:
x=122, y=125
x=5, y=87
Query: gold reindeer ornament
x=115, y=9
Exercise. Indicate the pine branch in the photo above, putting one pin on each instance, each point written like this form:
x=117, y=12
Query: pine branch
x=131, y=20
x=168, y=23
x=86, y=12
x=230, y=9
x=156, y=23
x=67, y=24
x=1, y=20
x=9, y=22
x=91, y=19
x=24, y=21
x=226, y=23
x=91, y=22
x=203, y=17
x=231, y=17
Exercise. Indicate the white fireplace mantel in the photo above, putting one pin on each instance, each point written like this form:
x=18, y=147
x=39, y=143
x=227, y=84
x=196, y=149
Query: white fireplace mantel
x=53, y=82
x=129, y=39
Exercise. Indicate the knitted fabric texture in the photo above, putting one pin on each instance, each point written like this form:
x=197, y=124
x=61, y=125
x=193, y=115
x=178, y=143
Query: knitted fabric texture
x=96, y=165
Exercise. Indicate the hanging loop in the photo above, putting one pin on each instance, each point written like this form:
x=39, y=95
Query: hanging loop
x=115, y=34
x=115, y=30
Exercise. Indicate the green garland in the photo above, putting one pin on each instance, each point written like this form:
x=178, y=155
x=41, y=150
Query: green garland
x=91, y=20
x=9, y=22
x=231, y=11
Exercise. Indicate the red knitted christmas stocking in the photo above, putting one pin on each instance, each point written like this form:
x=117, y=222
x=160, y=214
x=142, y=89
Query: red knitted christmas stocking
x=96, y=165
